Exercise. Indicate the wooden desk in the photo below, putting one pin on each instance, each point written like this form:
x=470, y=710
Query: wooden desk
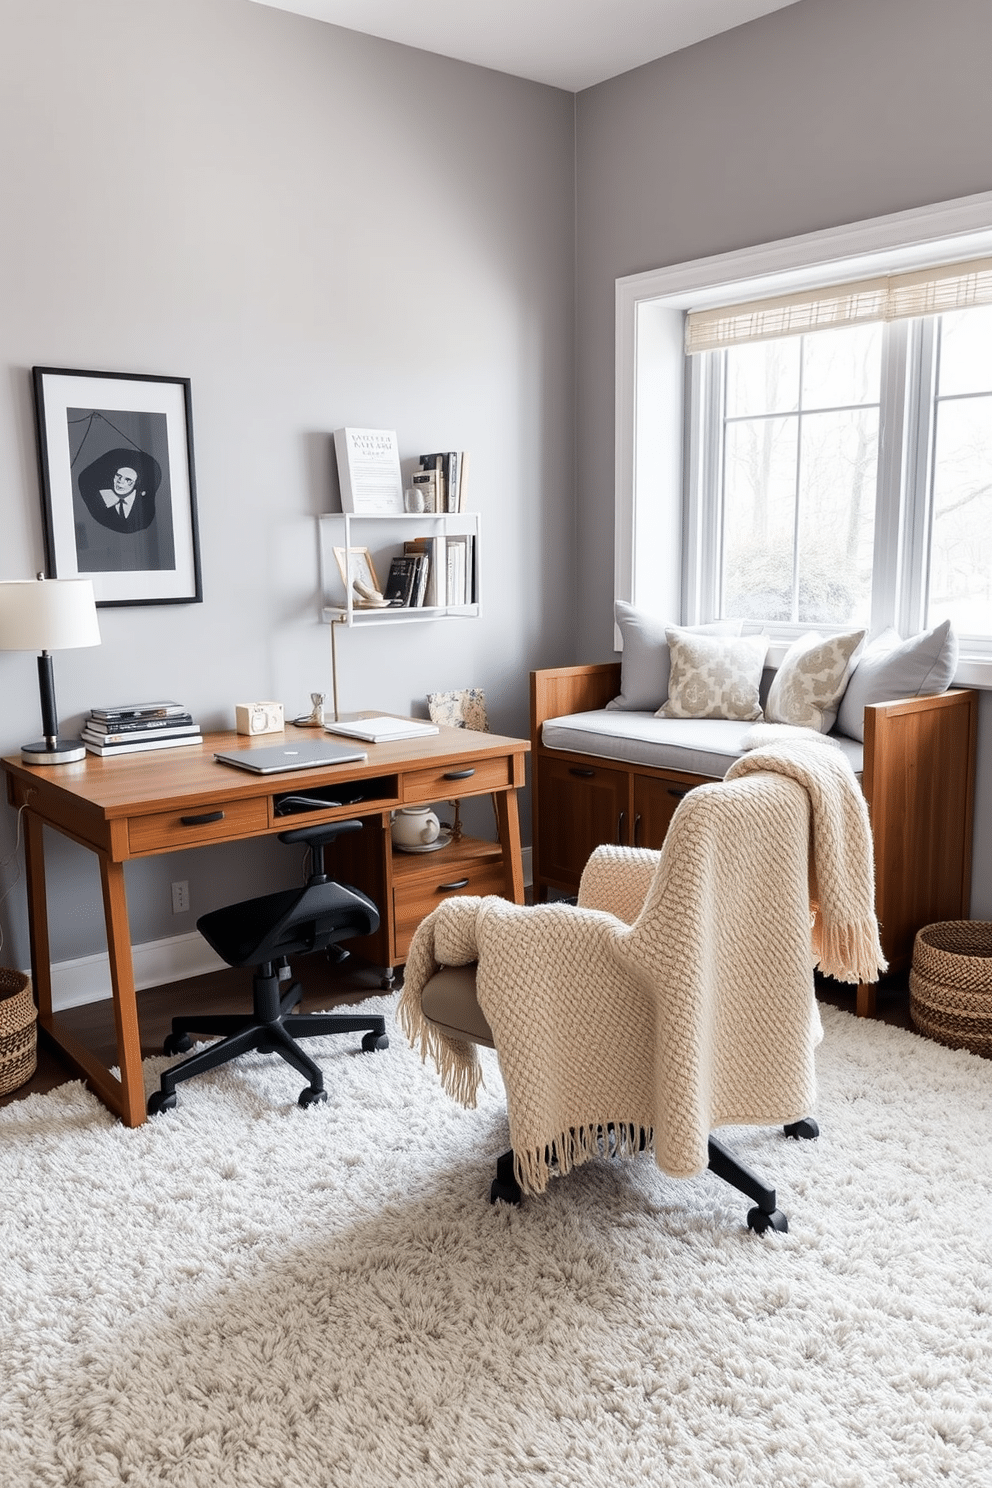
x=161, y=801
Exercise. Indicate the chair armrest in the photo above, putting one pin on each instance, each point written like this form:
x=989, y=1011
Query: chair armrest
x=617, y=880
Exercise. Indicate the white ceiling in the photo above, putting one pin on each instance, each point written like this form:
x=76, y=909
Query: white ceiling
x=568, y=43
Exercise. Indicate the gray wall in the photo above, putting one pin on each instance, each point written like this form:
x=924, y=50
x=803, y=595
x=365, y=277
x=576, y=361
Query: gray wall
x=318, y=228
x=827, y=112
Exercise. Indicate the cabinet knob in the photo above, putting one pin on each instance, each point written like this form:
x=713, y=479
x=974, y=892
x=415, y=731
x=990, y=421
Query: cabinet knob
x=448, y=888
x=201, y=821
x=459, y=774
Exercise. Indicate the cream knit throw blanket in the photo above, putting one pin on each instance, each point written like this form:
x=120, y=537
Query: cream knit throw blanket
x=675, y=998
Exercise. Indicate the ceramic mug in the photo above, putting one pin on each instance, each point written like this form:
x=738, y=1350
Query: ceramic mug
x=414, y=826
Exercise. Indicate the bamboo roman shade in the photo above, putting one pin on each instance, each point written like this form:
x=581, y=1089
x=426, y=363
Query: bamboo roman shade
x=932, y=291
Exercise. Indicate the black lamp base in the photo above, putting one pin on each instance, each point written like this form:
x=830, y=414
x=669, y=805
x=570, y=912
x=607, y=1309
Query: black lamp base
x=55, y=752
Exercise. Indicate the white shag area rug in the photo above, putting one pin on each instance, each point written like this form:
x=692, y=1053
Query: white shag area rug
x=242, y=1294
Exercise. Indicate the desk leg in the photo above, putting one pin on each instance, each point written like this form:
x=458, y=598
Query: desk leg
x=41, y=965
x=132, y=1109
x=508, y=826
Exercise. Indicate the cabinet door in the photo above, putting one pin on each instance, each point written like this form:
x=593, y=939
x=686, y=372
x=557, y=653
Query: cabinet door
x=656, y=799
x=580, y=806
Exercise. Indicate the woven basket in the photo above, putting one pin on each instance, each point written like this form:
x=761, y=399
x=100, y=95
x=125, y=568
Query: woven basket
x=18, y=1030
x=950, y=984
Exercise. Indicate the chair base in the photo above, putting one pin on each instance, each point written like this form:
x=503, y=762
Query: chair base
x=271, y=1028
x=764, y=1216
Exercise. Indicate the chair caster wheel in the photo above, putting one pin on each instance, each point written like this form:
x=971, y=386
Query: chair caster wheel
x=158, y=1102
x=373, y=1041
x=177, y=1043
x=311, y=1097
x=759, y=1220
x=508, y=1192
x=806, y=1128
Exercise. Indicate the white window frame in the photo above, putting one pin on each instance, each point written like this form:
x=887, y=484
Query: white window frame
x=655, y=498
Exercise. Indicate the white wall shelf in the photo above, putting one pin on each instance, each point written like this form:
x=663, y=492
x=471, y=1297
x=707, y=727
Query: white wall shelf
x=384, y=537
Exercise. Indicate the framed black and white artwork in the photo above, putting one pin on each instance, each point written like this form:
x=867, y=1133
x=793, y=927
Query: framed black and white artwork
x=118, y=488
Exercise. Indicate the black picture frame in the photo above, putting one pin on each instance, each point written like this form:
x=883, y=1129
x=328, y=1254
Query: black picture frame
x=118, y=484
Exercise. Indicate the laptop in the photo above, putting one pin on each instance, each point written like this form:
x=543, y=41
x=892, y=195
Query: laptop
x=308, y=754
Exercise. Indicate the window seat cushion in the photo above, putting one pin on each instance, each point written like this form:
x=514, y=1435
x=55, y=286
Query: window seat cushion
x=692, y=746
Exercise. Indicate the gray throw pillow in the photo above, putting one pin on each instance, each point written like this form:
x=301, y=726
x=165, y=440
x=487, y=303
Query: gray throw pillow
x=891, y=668
x=645, y=664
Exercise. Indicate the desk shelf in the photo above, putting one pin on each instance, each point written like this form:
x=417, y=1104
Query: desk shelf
x=384, y=537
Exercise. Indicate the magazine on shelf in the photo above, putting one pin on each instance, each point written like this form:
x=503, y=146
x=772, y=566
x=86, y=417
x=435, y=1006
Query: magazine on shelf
x=368, y=463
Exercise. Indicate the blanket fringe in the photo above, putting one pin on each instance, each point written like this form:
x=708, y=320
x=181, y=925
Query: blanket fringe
x=456, y=1060
x=534, y=1168
x=851, y=953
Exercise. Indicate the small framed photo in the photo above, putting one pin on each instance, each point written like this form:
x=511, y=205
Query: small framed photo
x=362, y=569
x=118, y=488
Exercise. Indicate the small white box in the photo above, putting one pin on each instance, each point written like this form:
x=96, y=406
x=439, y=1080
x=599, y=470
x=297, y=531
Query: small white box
x=259, y=718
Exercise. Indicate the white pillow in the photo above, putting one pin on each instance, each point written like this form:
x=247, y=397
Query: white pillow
x=644, y=665
x=808, y=686
x=714, y=676
x=891, y=668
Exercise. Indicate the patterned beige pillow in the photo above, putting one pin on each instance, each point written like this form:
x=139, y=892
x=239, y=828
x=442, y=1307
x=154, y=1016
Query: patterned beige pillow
x=810, y=683
x=713, y=676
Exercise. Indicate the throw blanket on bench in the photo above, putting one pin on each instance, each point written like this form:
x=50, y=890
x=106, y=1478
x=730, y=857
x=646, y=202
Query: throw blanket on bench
x=692, y=1011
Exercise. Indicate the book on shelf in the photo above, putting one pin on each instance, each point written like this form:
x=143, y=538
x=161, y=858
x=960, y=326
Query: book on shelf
x=452, y=469
x=140, y=710
x=133, y=736
x=368, y=462
x=147, y=725
x=403, y=583
x=460, y=569
x=134, y=745
x=429, y=547
x=382, y=730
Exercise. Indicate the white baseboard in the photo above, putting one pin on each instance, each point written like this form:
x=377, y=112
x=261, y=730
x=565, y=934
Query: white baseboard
x=87, y=978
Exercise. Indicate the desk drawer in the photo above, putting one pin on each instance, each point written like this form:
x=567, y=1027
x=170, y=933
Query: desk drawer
x=446, y=783
x=414, y=898
x=194, y=826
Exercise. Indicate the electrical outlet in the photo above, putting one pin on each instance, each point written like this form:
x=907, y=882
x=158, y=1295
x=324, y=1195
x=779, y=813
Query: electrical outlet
x=180, y=896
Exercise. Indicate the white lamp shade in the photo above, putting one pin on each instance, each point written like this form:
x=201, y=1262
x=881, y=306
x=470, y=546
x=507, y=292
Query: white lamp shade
x=47, y=615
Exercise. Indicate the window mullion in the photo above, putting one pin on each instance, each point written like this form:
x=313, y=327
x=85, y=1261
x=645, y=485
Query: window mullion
x=888, y=576
x=921, y=381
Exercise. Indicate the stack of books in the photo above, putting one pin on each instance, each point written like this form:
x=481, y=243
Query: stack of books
x=130, y=727
x=443, y=479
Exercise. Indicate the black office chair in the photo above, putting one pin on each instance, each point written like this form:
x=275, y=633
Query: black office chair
x=264, y=933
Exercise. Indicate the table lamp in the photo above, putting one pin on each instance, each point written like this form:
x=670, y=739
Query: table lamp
x=48, y=615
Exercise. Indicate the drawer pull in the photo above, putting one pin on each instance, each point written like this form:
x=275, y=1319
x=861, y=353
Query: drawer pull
x=583, y=774
x=459, y=774
x=201, y=821
x=674, y=791
x=637, y=829
x=621, y=819
x=459, y=883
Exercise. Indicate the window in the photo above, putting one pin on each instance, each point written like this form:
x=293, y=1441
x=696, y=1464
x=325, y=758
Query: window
x=796, y=465
x=960, y=569
x=825, y=462
x=793, y=502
